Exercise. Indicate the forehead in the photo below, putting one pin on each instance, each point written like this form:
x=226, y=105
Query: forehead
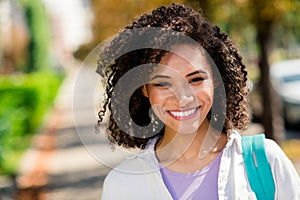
x=184, y=59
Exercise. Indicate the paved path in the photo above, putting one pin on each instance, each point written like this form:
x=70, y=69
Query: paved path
x=72, y=172
x=68, y=156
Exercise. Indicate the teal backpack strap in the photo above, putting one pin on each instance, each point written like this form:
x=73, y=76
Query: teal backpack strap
x=257, y=167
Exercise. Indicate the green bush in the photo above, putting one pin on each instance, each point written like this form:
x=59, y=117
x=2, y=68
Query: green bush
x=24, y=100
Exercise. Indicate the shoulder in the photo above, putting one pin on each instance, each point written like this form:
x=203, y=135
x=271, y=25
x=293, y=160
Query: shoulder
x=284, y=173
x=274, y=151
x=278, y=159
x=130, y=166
x=141, y=163
x=129, y=174
x=133, y=177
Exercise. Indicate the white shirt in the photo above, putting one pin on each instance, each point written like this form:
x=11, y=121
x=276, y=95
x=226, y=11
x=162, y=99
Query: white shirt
x=138, y=177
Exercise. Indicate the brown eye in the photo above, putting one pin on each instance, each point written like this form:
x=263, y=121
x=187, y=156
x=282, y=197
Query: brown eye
x=161, y=84
x=195, y=80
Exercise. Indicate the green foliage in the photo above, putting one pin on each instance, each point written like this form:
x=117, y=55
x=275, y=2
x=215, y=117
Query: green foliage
x=16, y=110
x=24, y=101
x=38, y=50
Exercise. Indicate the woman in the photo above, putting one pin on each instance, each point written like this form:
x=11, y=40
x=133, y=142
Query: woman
x=177, y=90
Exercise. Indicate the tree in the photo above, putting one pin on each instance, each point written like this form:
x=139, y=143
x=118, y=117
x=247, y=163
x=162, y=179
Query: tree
x=265, y=15
x=38, y=50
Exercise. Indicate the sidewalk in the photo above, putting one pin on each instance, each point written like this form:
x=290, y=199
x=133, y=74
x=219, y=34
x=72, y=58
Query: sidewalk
x=58, y=162
x=62, y=162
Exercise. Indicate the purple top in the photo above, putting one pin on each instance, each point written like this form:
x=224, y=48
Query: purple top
x=202, y=184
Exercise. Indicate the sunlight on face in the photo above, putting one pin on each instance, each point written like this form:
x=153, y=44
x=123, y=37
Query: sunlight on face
x=181, y=89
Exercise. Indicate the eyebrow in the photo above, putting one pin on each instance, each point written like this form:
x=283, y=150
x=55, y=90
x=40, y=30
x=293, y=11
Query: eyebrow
x=196, y=72
x=190, y=74
x=159, y=76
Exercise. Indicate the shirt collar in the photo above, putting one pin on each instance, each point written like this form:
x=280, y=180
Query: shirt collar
x=235, y=139
x=149, y=151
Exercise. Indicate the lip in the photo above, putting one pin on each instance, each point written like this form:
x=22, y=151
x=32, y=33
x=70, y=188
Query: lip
x=183, y=114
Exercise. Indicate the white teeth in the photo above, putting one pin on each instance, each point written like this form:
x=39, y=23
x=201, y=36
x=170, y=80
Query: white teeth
x=183, y=114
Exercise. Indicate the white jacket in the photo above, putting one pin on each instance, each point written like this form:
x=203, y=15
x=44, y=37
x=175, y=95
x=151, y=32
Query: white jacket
x=138, y=177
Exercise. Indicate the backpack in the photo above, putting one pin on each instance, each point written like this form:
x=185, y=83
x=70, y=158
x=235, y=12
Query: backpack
x=257, y=167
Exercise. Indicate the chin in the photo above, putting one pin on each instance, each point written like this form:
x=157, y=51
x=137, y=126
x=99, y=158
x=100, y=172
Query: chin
x=187, y=128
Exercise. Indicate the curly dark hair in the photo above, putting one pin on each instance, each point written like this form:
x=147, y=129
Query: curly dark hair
x=127, y=121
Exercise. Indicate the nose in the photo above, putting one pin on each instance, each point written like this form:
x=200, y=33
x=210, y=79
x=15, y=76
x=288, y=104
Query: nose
x=185, y=100
x=184, y=95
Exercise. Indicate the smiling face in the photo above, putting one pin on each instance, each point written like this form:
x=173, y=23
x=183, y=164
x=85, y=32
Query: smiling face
x=181, y=89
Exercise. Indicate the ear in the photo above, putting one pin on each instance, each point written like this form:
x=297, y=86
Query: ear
x=144, y=91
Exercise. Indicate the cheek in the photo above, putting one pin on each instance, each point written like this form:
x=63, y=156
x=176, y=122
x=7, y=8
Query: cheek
x=157, y=96
x=154, y=97
x=158, y=100
x=205, y=94
x=159, y=111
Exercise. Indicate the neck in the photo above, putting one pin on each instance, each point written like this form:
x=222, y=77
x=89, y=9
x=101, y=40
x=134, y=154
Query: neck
x=173, y=146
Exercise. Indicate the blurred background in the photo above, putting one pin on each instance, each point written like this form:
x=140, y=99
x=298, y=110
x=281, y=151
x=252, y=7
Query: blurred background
x=42, y=46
